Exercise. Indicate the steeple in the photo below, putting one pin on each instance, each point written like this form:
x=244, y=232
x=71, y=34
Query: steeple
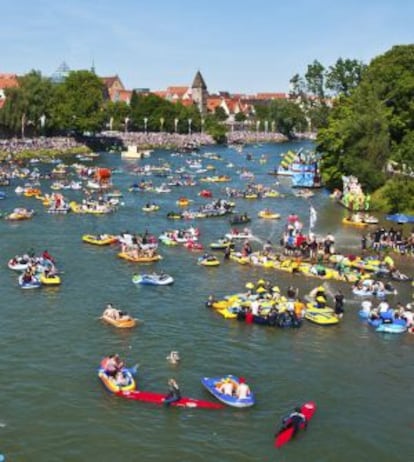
x=199, y=82
x=199, y=93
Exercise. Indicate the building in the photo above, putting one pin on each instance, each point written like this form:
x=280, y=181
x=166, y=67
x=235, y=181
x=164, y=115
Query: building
x=199, y=93
x=60, y=73
x=115, y=90
x=7, y=81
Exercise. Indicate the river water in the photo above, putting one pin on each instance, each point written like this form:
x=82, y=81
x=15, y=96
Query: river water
x=53, y=407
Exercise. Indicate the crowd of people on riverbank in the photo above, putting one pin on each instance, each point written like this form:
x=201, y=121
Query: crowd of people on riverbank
x=140, y=139
x=383, y=239
x=13, y=146
x=161, y=139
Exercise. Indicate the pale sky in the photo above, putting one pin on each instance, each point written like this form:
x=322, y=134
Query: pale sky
x=238, y=45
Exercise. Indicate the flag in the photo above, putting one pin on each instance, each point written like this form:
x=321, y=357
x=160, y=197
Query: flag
x=312, y=217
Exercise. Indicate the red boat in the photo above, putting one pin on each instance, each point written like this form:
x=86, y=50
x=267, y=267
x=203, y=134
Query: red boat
x=205, y=193
x=158, y=398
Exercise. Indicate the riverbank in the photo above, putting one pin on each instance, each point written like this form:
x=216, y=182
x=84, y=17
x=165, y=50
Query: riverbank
x=46, y=147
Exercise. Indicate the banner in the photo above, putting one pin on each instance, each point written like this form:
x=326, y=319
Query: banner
x=312, y=218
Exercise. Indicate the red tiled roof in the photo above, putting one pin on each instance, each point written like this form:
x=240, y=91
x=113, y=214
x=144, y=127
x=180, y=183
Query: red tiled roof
x=179, y=91
x=8, y=81
x=213, y=103
x=109, y=81
x=186, y=102
x=160, y=93
x=265, y=96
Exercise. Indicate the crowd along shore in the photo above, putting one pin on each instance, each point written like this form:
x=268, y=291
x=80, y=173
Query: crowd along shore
x=26, y=148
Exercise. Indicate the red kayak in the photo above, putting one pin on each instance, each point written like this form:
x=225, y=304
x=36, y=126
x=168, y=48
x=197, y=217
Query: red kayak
x=286, y=434
x=158, y=398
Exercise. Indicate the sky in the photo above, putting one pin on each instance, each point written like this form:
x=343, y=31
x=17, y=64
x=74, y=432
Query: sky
x=241, y=46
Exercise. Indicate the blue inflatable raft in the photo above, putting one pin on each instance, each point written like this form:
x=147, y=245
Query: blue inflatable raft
x=212, y=384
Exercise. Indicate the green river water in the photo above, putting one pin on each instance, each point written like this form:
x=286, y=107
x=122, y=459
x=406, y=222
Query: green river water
x=53, y=407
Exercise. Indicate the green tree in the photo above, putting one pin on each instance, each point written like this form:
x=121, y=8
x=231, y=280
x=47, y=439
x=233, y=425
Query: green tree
x=116, y=113
x=215, y=129
x=374, y=124
x=78, y=103
x=315, y=79
x=27, y=104
x=344, y=75
x=240, y=117
x=287, y=116
x=220, y=114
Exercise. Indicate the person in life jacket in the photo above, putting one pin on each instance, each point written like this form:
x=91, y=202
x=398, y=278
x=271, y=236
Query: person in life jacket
x=295, y=419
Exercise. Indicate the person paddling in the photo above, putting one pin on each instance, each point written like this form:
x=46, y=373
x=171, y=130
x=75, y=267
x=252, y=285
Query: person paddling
x=295, y=419
x=174, y=393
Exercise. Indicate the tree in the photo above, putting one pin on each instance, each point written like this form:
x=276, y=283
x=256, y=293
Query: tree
x=287, y=116
x=116, y=113
x=220, y=114
x=373, y=125
x=26, y=104
x=315, y=79
x=344, y=76
x=78, y=103
x=215, y=129
x=240, y=117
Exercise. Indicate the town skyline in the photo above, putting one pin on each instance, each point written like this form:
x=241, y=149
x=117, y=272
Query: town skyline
x=238, y=48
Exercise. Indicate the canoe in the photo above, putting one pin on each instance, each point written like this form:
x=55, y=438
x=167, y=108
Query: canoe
x=320, y=317
x=158, y=398
x=120, y=323
x=111, y=385
x=153, y=279
x=285, y=434
x=211, y=384
x=105, y=239
x=128, y=257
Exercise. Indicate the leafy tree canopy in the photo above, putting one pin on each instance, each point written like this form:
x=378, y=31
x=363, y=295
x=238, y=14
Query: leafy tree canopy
x=373, y=124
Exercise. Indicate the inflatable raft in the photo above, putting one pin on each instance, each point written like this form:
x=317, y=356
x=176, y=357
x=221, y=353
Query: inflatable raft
x=212, y=384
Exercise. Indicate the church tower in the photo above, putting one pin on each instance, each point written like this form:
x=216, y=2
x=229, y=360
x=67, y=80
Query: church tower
x=199, y=93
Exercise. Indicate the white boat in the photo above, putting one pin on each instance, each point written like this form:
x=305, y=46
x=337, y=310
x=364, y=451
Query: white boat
x=134, y=153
